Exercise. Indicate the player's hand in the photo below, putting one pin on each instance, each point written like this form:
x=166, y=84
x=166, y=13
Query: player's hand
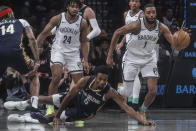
x=148, y=123
x=86, y=66
x=185, y=29
x=34, y=71
x=57, y=121
x=110, y=61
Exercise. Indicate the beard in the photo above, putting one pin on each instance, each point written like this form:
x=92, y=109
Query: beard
x=150, y=22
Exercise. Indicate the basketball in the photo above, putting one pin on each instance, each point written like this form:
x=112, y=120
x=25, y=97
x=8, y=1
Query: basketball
x=181, y=39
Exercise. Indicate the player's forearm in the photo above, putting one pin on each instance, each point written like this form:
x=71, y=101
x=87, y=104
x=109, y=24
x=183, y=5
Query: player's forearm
x=134, y=114
x=123, y=40
x=96, y=30
x=85, y=51
x=34, y=49
x=41, y=38
x=64, y=103
x=113, y=43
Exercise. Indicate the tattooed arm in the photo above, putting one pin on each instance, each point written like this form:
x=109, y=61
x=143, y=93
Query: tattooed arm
x=33, y=46
x=32, y=42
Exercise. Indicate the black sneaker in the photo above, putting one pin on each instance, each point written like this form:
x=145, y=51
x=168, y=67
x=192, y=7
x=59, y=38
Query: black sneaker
x=41, y=117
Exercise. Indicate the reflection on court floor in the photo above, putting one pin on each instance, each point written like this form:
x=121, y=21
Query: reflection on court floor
x=112, y=120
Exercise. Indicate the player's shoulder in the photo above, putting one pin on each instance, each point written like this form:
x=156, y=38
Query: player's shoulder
x=56, y=17
x=125, y=13
x=24, y=22
x=163, y=27
x=89, y=13
x=89, y=10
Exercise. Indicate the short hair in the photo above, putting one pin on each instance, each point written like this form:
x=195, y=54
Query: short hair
x=69, y=2
x=102, y=69
x=139, y=0
x=148, y=5
x=2, y=8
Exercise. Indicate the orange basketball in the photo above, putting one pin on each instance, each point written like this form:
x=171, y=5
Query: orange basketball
x=181, y=39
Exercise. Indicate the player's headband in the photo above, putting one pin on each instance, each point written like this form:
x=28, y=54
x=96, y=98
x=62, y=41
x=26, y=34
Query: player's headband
x=5, y=12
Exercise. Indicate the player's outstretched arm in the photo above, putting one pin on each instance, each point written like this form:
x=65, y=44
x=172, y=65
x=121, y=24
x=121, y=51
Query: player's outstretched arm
x=129, y=110
x=70, y=95
x=54, y=21
x=167, y=34
x=133, y=27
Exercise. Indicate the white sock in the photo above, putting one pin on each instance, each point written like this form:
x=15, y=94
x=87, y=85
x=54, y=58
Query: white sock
x=34, y=101
x=127, y=89
x=25, y=103
x=136, y=89
x=63, y=117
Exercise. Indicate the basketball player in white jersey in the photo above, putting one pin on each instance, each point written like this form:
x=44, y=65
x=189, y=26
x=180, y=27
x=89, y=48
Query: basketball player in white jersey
x=140, y=54
x=70, y=35
x=132, y=15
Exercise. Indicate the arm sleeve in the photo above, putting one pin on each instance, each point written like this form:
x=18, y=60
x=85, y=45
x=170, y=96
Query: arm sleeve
x=96, y=30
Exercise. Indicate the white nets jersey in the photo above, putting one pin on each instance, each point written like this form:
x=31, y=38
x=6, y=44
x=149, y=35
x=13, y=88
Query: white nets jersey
x=141, y=47
x=67, y=36
x=129, y=19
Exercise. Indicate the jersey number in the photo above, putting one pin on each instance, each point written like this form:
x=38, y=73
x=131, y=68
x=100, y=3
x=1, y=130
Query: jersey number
x=67, y=39
x=10, y=29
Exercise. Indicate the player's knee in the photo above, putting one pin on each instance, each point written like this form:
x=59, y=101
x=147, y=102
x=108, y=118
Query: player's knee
x=56, y=78
x=125, y=91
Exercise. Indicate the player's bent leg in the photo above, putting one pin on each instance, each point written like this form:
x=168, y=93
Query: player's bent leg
x=75, y=78
x=136, y=92
x=57, y=70
x=34, y=90
x=22, y=105
x=127, y=89
x=152, y=90
x=150, y=96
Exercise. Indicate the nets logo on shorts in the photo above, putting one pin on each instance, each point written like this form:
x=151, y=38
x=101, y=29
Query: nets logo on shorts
x=194, y=73
x=155, y=70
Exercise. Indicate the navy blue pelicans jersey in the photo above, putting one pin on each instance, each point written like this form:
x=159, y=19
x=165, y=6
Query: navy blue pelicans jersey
x=11, y=48
x=92, y=100
x=87, y=102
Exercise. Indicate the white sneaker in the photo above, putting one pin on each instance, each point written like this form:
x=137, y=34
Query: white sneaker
x=11, y=105
x=22, y=105
x=22, y=118
x=15, y=118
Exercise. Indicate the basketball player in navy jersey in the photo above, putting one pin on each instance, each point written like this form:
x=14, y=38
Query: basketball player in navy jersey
x=12, y=52
x=70, y=36
x=82, y=101
x=141, y=54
